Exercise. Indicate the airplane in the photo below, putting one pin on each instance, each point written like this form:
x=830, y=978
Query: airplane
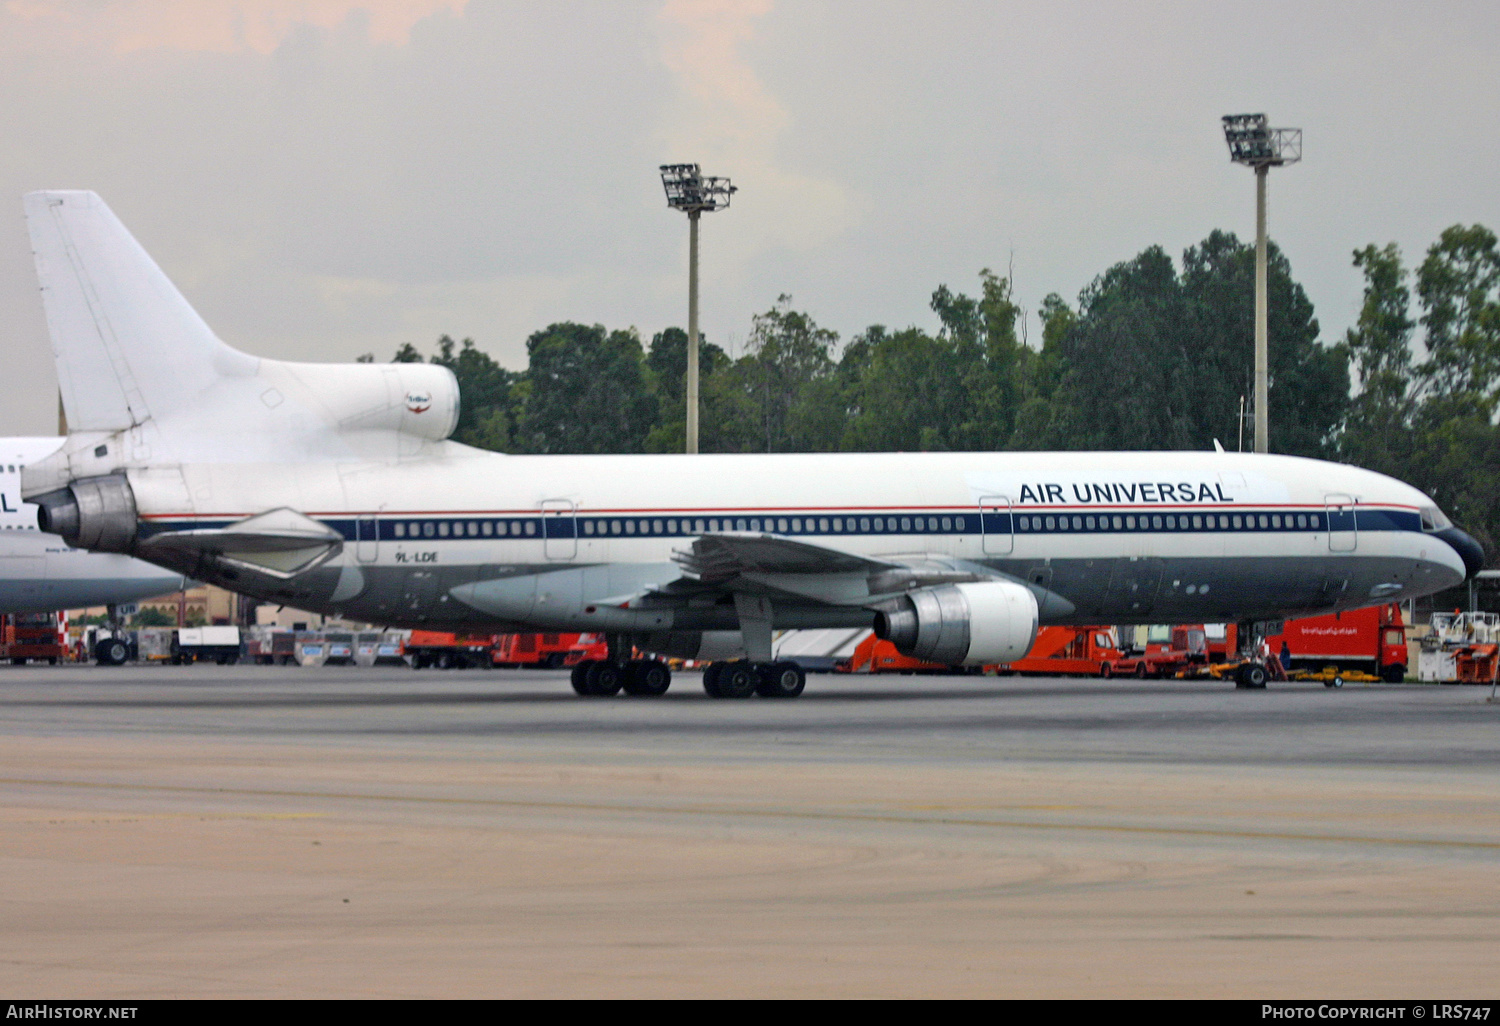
x=334, y=487
x=40, y=573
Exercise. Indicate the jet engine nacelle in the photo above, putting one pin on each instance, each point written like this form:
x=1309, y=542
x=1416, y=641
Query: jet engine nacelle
x=417, y=399
x=94, y=513
x=962, y=624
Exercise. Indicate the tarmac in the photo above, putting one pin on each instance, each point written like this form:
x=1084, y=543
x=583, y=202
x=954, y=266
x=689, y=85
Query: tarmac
x=343, y=832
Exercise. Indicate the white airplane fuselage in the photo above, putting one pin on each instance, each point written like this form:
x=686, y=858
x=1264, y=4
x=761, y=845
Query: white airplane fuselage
x=463, y=537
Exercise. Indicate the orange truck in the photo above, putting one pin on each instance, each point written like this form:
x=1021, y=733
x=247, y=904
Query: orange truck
x=547, y=651
x=1057, y=651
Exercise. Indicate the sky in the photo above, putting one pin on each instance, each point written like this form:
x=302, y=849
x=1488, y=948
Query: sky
x=327, y=178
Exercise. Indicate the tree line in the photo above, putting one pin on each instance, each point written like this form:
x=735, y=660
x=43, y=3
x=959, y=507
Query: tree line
x=1150, y=356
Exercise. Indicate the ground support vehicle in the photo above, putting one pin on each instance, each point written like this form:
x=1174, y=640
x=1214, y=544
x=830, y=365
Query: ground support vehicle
x=375, y=649
x=206, y=644
x=340, y=648
x=1371, y=641
x=547, y=651
x=445, y=650
x=1460, y=648
x=267, y=647
x=1176, y=651
x=1067, y=651
x=28, y=636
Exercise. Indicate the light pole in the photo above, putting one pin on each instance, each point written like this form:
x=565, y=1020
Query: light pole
x=1256, y=145
x=687, y=190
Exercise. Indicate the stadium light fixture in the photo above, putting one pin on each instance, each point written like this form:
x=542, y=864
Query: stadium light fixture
x=691, y=192
x=1255, y=144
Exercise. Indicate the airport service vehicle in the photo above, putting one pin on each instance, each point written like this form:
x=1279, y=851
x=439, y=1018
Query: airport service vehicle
x=267, y=647
x=334, y=487
x=1370, y=640
x=28, y=636
x=449, y=650
x=39, y=573
x=548, y=651
x=1460, y=648
x=1169, y=650
x=206, y=644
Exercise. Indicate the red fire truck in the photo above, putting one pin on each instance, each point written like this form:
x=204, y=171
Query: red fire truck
x=1372, y=640
x=27, y=636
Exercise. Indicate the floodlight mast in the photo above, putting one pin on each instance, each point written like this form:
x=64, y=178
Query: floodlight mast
x=1255, y=144
x=689, y=191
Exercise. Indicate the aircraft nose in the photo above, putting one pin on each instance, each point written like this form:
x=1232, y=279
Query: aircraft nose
x=1469, y=550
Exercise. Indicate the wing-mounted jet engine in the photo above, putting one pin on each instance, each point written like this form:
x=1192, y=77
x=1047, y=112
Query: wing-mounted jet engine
x=962, y=624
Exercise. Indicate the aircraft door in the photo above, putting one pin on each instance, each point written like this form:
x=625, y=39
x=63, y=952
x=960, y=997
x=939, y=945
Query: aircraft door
x=559, y=528
x=1343, y=534
x=996, y=523
x=367, y=539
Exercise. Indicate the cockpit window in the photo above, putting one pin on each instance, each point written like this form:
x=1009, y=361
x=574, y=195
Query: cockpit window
x=1433, y=519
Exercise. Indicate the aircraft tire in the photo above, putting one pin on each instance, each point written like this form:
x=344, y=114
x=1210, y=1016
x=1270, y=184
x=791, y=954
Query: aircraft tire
x=111, y=652
x=711, y=680
x=580, y=676
x=780, y=680
x=737, y=680
x=604, y=679
x=647, y=678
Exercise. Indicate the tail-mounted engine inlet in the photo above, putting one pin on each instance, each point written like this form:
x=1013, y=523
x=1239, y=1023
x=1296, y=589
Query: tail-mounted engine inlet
x=95, y=513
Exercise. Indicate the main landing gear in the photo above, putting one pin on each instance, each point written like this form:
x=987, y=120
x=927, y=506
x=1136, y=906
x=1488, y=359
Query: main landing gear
x=743, y=679
x=641, y=678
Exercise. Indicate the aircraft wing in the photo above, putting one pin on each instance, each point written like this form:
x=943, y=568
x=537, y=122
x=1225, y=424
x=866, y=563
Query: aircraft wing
x=769, y=564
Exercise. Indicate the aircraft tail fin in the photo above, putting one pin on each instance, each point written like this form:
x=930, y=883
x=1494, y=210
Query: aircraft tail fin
x=127, y=345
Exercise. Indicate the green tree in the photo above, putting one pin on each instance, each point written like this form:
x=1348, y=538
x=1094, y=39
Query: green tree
x=1377, y=431
x=486, y=411
x=1457, y=284
x=788, y=356
x=586, y=392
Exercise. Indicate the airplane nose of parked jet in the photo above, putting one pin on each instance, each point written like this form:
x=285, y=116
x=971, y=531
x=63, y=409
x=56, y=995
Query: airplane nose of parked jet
x=1469, y=550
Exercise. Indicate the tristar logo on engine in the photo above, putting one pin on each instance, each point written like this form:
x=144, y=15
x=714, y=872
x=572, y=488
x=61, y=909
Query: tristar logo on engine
x=417, y=403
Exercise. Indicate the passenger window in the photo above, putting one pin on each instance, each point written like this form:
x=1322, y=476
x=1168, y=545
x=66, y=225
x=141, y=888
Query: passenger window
x=1301, y=519
x=671, y=527
x=906, y=523
x=630, y=527
x=1262, y=521
x=488, y=528
x=1130, y=523
x=400, y=530
x=947, y=523
x=656, y=527
x=1116, y=522
x=864, y=524
x=822, y=525
x=1051, y=524
x=796, y=525
x=1156, y=523
x=958, y=523
x=1236, y=521
x=443, y=529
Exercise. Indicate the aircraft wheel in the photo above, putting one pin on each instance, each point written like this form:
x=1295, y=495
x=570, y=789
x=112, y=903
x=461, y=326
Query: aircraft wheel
x=780, y=680
x=580, y=676
x=603, y=679
x=647, y=678
x=711, y=679
x=733, y=680
x=110, y=652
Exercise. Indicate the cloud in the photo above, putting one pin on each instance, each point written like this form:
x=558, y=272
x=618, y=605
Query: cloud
x=223, y=26
x=726, y=119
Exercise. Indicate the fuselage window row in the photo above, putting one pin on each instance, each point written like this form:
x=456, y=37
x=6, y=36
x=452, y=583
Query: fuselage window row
x=563, y=526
